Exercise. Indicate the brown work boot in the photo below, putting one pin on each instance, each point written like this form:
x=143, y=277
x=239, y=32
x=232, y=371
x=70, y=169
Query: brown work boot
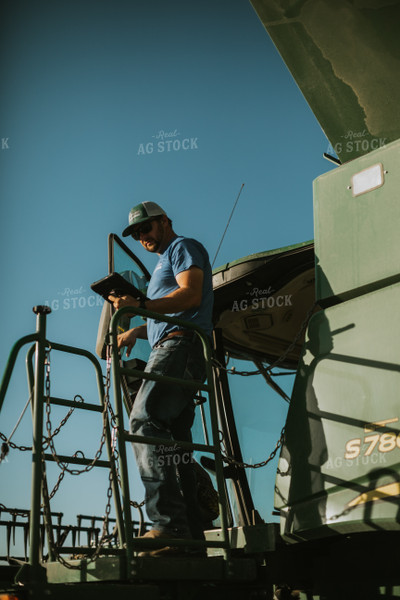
x=165, y=551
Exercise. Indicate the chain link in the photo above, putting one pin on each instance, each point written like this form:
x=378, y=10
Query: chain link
x=48, y=441
x=13, y=445
x=137, y=504
x=14, y=511
x=244, y=465
x=344, y=513
x=57, y=485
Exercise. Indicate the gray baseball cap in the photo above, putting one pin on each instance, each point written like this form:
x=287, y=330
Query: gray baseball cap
x=142, y=212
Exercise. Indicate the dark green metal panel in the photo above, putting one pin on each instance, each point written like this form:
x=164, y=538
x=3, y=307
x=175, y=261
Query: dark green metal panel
x=177, y=568
x=252, y=539
x=339, y=470
x=345, y=57
x=253, y=259
x=103, y=569
x=357, y=236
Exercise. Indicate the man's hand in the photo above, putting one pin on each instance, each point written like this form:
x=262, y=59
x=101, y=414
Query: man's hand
x=121, y=302
x=128, y=339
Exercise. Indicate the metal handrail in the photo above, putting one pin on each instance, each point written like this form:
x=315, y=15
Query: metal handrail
x=213, y=448
x=73, y=460
x=36, y=377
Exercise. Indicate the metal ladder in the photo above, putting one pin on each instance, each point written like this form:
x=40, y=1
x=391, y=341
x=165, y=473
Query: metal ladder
x=124, y=437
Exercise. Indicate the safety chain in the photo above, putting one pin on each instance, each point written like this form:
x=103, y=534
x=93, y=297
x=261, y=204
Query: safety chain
x=57, y=485
x=104, y=535
x=344, y=513
x=137, y=504
x=62, y=422
x=49, y=440
x=279, y=444
x=243, y=465
x=14, y=511
x=107, y=406
x=7, y=443
x=233, y=371
x=284, y=473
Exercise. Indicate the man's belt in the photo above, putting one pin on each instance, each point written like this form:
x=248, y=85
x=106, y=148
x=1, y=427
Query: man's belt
x=179, y=332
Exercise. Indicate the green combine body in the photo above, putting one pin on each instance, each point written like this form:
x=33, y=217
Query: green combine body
x=329, y=310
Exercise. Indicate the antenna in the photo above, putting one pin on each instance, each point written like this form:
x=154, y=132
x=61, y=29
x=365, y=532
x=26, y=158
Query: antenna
x=227, y=225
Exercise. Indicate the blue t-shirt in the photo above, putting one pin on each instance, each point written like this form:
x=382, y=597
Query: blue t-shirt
x=181, y=254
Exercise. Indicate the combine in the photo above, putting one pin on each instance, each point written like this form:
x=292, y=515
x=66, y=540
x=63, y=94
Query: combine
x=326, y=309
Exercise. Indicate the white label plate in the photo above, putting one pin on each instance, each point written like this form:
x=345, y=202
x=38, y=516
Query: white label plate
x=367, y=180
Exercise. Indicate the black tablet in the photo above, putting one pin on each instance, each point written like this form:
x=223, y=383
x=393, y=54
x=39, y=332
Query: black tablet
x=116, y=285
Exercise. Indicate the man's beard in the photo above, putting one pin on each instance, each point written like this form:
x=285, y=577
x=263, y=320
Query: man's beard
x=156, y=246
x=156, y=242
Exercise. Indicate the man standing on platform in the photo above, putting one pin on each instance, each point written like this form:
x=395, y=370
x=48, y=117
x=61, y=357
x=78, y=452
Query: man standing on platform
x=181, y=286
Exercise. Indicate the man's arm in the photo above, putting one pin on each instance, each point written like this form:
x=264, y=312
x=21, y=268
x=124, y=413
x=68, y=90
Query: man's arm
x=187, y=295
x=128, y=338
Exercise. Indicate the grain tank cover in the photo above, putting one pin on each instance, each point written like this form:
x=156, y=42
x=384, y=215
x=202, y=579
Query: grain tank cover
x=261, y=301
x=345, y=57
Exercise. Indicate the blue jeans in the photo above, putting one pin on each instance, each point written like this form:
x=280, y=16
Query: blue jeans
x=167, y=411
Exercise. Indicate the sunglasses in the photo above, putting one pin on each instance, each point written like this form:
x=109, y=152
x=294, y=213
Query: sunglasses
x=143, y=228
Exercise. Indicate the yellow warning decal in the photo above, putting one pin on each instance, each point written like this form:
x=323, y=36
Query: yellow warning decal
x=379, y=493
x=373, y=426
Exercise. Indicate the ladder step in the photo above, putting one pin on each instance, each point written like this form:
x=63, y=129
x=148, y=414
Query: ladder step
x=87, y=550
x=75, y=404
x=189, y=383
x=150, y=543
x=129, y=437
x=75, y=460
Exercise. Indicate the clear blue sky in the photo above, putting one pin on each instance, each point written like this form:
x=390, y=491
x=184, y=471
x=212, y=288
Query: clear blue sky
x=104, y=105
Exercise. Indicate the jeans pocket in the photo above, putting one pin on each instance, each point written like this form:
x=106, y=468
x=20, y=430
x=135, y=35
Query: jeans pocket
x=169, y=344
